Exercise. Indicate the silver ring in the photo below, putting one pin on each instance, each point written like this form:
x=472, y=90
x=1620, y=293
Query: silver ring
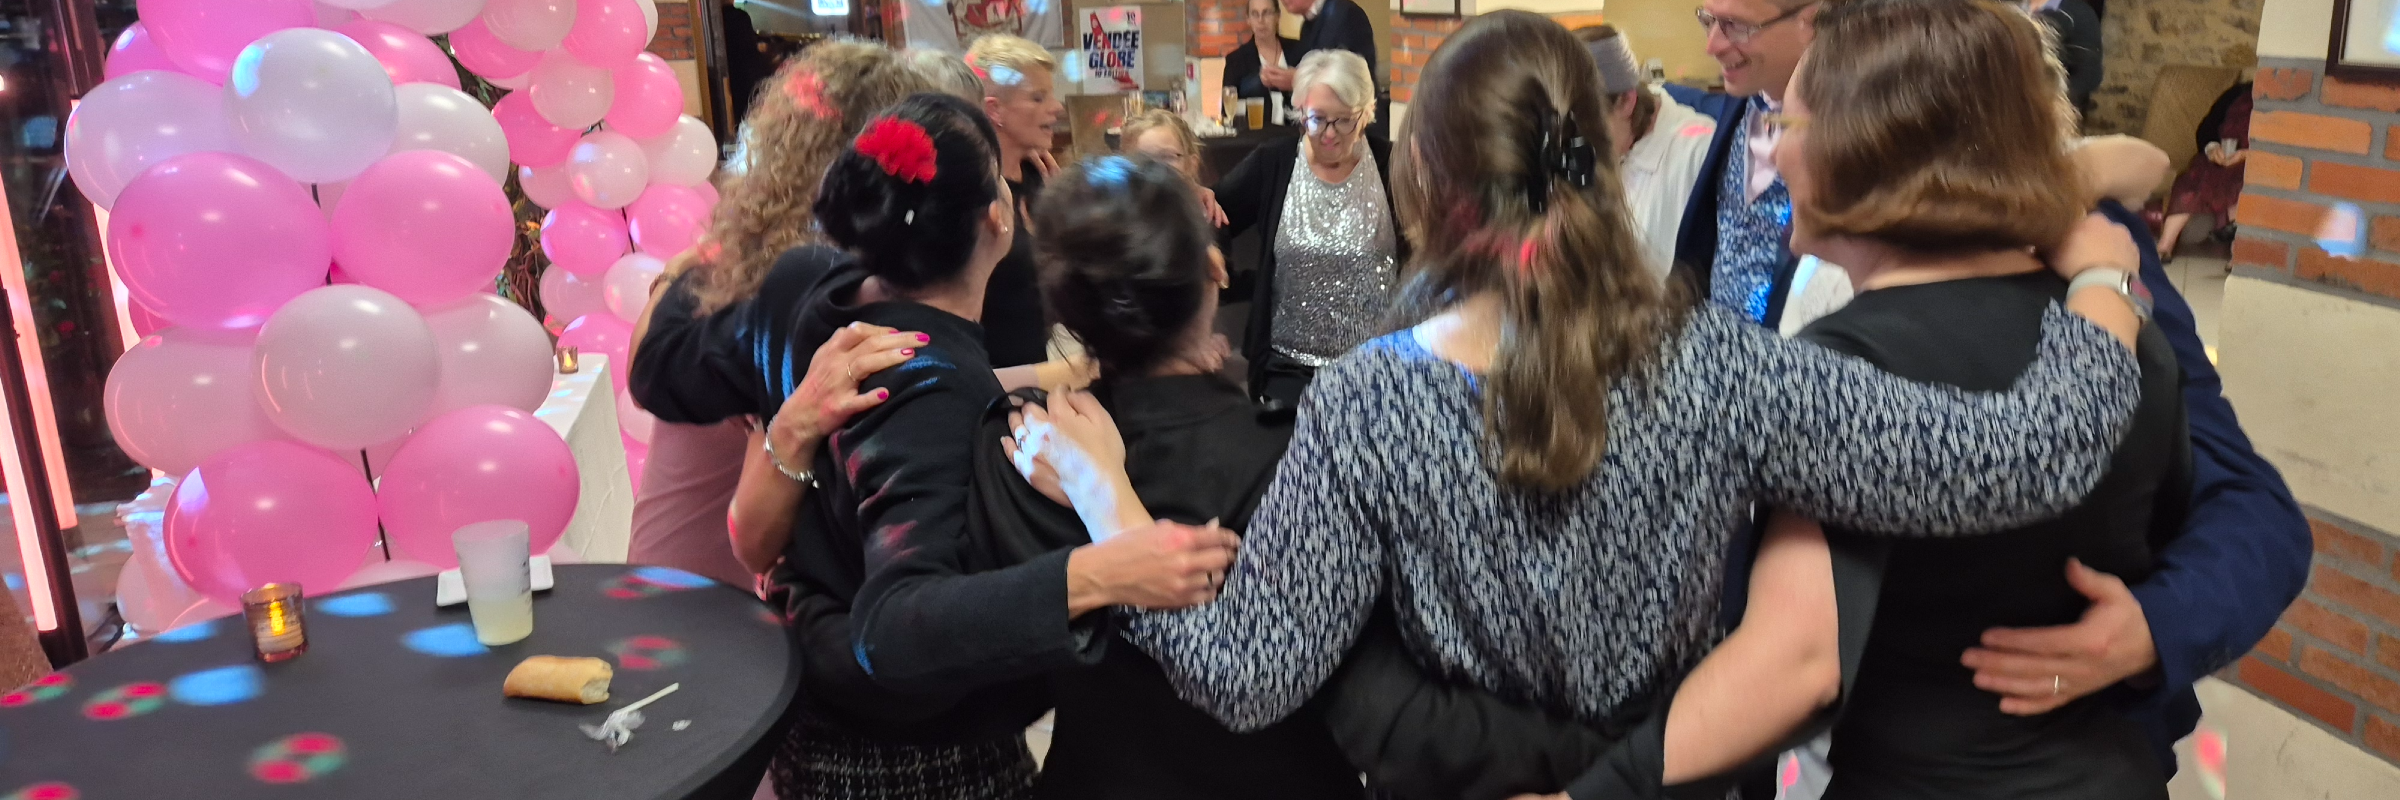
x=2056, y=684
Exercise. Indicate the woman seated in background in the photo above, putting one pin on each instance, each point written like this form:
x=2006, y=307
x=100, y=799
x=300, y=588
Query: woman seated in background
x=1929, y=111
x=1542, y=478
x=2212, y=182
x=1329, y=246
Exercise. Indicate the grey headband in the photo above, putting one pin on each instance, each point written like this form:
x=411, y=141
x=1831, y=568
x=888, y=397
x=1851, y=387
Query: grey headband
x=1619, y=73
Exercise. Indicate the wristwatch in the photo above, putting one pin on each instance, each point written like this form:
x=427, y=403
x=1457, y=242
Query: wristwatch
x=805, y=477
x=2116, y=280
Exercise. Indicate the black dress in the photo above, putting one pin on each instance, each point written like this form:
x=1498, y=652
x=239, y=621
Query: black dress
x=1016, y=330
x=1197, y=449
x=1915, y=725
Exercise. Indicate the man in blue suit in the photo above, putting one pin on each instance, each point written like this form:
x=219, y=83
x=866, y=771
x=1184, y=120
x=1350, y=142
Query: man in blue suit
x=2245, y=550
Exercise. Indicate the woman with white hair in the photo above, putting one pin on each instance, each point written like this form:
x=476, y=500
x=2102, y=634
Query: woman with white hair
x=1329, y=247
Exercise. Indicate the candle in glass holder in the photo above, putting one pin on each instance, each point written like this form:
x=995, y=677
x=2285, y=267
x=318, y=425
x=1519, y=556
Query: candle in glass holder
x=276, y=626
x=567, y=357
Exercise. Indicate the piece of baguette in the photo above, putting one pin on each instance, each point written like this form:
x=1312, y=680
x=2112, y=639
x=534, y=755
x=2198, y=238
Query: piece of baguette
x=566, y=680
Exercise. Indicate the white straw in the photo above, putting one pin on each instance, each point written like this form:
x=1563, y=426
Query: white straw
x=652, y=698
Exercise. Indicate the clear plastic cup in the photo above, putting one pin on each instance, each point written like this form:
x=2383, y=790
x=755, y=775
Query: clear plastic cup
x=495, y=563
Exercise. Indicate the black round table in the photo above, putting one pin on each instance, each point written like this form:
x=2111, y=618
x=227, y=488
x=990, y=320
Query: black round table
x=394, y=699
x=1220, y=154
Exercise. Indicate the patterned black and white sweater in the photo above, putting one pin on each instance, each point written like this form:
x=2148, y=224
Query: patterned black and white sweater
x=1583, y=600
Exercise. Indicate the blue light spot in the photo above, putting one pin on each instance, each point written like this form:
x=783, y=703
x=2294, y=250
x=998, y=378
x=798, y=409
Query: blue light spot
x=365, y=604
x=671, y=577
x=2343, y=231
x=245, y=71
x=1108, y=171
x=1006, y=77
x=455, y=640
x=217, y=687
x=16, y=582
x=190, y=633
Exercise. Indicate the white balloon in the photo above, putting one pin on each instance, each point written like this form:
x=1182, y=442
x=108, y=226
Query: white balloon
x=566, y=296
x=493, y=353
x=181, y=396
x=344, y=367
x=571, y=94
x=626, y=287
x=428, y=17
x=313, y=103
x=437, y=117
x=355, y=5
x=548, y=187
x=126, y=125
x=608, y=170
x=684, y=156
x=530, y=25
x=649, y=15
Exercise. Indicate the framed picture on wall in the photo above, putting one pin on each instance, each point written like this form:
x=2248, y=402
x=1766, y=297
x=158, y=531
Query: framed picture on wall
x=2366, y=40
x=1429, y=8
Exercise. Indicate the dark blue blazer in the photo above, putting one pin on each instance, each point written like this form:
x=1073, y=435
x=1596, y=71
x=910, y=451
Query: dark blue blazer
x=2243, y=556
x=1696, y=242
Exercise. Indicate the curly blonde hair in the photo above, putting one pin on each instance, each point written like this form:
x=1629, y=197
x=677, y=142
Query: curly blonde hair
x=800, y=121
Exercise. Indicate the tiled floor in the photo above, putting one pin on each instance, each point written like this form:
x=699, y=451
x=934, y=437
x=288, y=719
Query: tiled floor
x=2202, y=282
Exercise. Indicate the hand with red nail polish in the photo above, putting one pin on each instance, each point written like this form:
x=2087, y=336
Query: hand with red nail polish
x=828, y=395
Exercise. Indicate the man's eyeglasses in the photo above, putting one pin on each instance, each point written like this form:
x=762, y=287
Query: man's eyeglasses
x=1343, y=125
x=1739, y=32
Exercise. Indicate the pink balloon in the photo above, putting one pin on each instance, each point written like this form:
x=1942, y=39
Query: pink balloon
x=204, y=36
x=570, y=93
x=584, y=240
x=424, y=225
x=548, y=187
x=145, y=321
x=493, y=353
x=475, y=465
x=181, y=396
x=484, y=54
x=216, y=240
x=608, y=33
x=608, y=170
x=406, y=55
x=269, y=512
x=566, y=296
x=603, y=334
x=532, y=140
x=649, y=98
x=708, y=192
x=667, y=220
x=136, y=51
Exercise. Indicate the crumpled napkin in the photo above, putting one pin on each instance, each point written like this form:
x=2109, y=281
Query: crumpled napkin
x=618, y=728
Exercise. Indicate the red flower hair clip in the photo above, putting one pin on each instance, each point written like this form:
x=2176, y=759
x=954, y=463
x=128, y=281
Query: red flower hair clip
x=901, y=147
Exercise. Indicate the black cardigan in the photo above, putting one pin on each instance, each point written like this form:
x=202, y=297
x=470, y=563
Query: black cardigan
x=1252, y=195
x=1243, y=64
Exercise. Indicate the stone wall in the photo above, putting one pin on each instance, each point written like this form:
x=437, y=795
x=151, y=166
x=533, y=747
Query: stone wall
x=2143, y=35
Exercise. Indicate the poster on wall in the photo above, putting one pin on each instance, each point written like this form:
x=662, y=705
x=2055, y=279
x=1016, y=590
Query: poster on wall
x=1111, y=49
x=952, y=25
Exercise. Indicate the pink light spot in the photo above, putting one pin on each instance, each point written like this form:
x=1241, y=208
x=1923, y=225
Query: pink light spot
x=106, y=711
x=15, y=699
x=50, y=791
x=314, y=743
x=145, y=690
x=54, y=679
x=279, y=772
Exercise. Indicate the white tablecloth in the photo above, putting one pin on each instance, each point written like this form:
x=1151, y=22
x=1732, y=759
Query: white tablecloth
x=583, y=409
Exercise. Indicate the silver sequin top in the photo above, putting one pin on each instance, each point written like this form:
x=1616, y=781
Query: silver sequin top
x=1334, y=262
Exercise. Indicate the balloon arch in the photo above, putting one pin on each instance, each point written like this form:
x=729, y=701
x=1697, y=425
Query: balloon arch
x=311, y=216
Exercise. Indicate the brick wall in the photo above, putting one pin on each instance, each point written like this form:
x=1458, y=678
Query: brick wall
x=2335, y=656
x=1413, y=41
x=2317, y=142
x=1218, y=26
x=675, y=26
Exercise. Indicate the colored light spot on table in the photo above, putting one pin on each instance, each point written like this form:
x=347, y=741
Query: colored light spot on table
x=298, y=758
x=125, y=702
x=363, y=604
x=771, y=617
x=455, y=640
x=52, y=790
x=217, y=687
x=645, y=653
x=48, y=687
x=672, y=578
x=189, y=633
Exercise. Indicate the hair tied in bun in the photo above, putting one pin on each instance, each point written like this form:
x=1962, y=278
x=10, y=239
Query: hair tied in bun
x=901, y=147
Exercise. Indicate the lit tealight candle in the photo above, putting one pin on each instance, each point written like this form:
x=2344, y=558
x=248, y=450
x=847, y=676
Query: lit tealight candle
x=277, y=626
x=566, y=360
